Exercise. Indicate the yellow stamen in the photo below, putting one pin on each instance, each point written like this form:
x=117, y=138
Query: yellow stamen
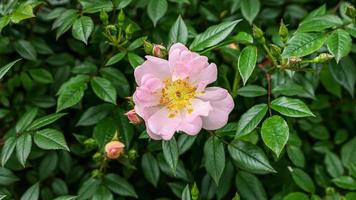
x=176, y=95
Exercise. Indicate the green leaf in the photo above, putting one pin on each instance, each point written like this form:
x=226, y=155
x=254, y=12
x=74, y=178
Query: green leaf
x=119, y=4
x=82, y=28
x=41, y=75
x=250, y=119
x=247, y=62
x=104, y=131
x=275, y=133
x=319, y=23
x=296, y=155
x=71, y=92
x=347, y=152
x=213, y=35
x=296, y=196
x=94, y=6
x=103, y=193
x=65, y=21
x=7, y=149
x=345, y=182
x=250, y=9
x=156, y=10
x=214, y=154
x=339, y=44
x=243, y=38
x=329, y=83
x=7, y=177
x=289, y=89
x=118, y=80
x=291, y=107
x=23, y=11
x=66, y=197
x=249, y=187
x=302, y=179
x=250, y=157
x=50, y=139
x=186, y=193
x=4, y=21
x=119, y=185
x=32, y=193
x=251, y=91
x=302, y=44
x=48, y=165
x=344, y=73
x=135, y=60
x=178, y=32
x=136, y=43
x=44, y=121
x=316, y=13
x=115, y=58
x=185, y=141
x=7, y=67
x=104, y=89
x=171, y=154
x=150, y=168
x=26, y=50
x=88, y=188
x=333, y=165
x=23, y=148
x=26, y=119
x=94, y=114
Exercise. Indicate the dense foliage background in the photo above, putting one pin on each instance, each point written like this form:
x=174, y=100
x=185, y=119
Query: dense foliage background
x=67, y=70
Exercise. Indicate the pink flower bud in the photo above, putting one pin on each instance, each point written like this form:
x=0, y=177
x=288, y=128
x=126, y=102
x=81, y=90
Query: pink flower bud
x=133, y=117
x=233, y=46
x=159, y=51
x=114, y=149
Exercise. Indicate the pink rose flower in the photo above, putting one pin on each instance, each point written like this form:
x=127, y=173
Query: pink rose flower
x=114, y=149
x=133, y=118
x=172, y=95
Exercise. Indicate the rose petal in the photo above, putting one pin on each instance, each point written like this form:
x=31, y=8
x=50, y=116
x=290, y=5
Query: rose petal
x=161, y=124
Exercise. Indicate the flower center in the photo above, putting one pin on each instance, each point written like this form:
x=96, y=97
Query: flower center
x=176, y=95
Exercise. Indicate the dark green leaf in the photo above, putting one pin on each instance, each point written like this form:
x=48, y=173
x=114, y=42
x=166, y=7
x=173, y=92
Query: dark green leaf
x=250, y=119
x=302, y=44
x=250, y=9
x=82, y=28
x=23, y=148
x=319, y=23
x=115, y=58
x=26, y=50
x=32, y=193
x=170, y=152
x=50, y=139
x=344, y=73
x=150, y=168
x=94, y=114
x=24, y=122
x=249, y=187
x=251, y=91
x=247, y=62
x=302, y=179
x=6, y=68
x=119, y=185
x=156, y=10
x=41, y=75
x=214, y=158
x=178, y=32
x=7, y=177
x=94, y=6
x=333, y=165
x=291, y=107
x=339, y=44
x=46, y=120
x=7, y=149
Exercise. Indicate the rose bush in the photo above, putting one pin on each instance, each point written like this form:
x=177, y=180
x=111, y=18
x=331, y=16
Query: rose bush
x=177, y=99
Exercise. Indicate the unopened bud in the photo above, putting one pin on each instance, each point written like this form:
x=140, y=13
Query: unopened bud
x=159, y=51
x=148, y=47
x=97, y=157
x=351, y=11
x=121, y=18
x=133, y=117
x=275, y=51
x=329, y=191
x=283, y=32
x=195, y=192
x=96, y=173
x=233, y=46
x=294, y=60
x=111, y=30
x=104, y=17
x=132, y=154
x=258, y=34
x=236, y=197
x=114, y=149
x=323, y=57
x=128, y=32
x=90, y=143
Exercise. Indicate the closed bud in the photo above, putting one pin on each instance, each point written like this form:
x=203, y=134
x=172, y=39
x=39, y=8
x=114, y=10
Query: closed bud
x=111, y=30
x=114, y=149
x=96, y=173
x=258, y=34
x=283, y=32
x=148, y=47
x=128, y=32
x=121, y=18
x=133, y=117
x=323, y=57
x=236, y=197
x=132, y=154
x=275, y=51
x=294, y=60
x=351, y=11
x=195, y=192
x=159, y=51
x=97, y=157
x=104, y=17
x=90, y=143
x=329, y=191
